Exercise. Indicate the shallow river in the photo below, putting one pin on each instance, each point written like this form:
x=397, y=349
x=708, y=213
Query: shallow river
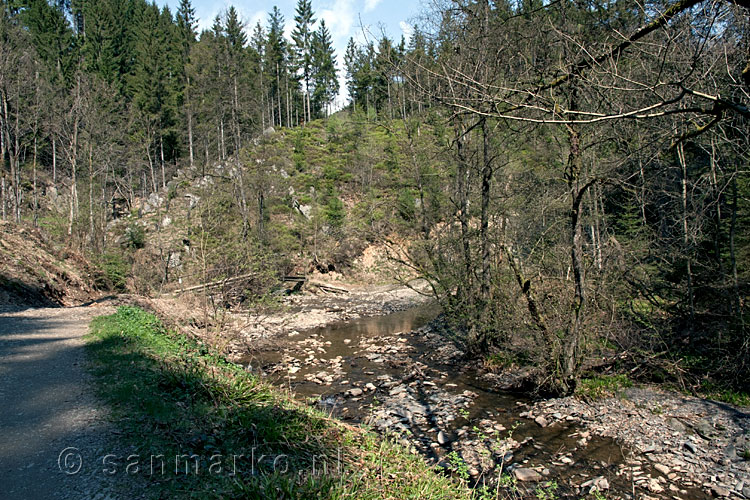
x=392, y=373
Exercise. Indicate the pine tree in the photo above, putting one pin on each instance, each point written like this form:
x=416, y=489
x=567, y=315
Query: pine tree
x=382, y=74
x=258, y=46
x=276, y=62
x=324, y=70
x=235, y=41
x=358, y=62
x=350, y=65
x=52, y=37
x=103, y=35
x=186, y=23
x=186, y=29
x=150, y=87
x=303, y=39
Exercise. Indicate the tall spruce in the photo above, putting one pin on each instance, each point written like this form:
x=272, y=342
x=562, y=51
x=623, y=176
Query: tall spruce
x=324, y=71
x=276, y=61
x=186, y=29
x=303, y=36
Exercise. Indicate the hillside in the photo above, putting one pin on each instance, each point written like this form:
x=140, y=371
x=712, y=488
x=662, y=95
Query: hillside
x=35, y=272
x=327, y=201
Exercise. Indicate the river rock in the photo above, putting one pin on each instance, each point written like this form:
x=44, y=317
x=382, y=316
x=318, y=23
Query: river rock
x=704, y=429
x=444, y=438
x=397, y=390
x=370, y=386
x=719, y=491
x=597, y=484
x=354, y=392
x=522, y=474
x=691, y=447
x=676, y=425
x=662, y=468
x=541, y=421
x=654, y=486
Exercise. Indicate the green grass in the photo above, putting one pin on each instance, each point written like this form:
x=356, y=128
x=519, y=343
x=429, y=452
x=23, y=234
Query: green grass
x=715, y=391
x=171, y=396
x=602, y=386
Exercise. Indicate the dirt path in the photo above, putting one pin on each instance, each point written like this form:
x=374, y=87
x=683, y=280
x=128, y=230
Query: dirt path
x=47, y=406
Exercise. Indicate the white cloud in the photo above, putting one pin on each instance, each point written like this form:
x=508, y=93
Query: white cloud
x=339, y=18
x=206, y=16
x=258, y=17
x=289, y=25
x=407, y=29
x=371, y=4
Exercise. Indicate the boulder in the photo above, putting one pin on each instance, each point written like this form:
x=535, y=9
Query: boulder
x=522, y=474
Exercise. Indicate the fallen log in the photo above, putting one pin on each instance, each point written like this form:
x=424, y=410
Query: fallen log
x=326, y=287
x=298, y=280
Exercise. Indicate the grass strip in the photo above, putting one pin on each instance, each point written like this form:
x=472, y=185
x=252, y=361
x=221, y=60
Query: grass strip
x=201, y=427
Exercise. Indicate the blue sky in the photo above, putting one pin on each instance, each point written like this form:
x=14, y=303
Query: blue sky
x=361, y=19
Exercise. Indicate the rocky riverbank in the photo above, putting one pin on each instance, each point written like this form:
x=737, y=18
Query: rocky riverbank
x=401, y=375
x=690, y=443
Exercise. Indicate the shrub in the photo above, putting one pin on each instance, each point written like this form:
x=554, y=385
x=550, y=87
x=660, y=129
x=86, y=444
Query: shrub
x=602, y=386
x=115, y=272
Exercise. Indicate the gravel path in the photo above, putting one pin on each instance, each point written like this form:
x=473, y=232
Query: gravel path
x=47, y=405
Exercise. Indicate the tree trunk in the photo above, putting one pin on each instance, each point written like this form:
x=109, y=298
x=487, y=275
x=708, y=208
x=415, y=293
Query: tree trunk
x=288, y=96
x=189, y=109
x=238, y=147
x=262, y=100
x=462, y=175
x=717, y=198
x=685, y=233
x=54, y=161
x=15, y=166
x=261, y=215
x=484, y=223
x=74, y=159
x=73, y=181
x=733, y=254
x=222, y=146
x=91, y=196
x=151, y=165
x=35, y=196
x=278, y=92
x=3, y=150
x=570, y=353
x=161, y=154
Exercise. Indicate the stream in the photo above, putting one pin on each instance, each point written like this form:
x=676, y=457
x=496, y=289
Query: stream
x=394, y=374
